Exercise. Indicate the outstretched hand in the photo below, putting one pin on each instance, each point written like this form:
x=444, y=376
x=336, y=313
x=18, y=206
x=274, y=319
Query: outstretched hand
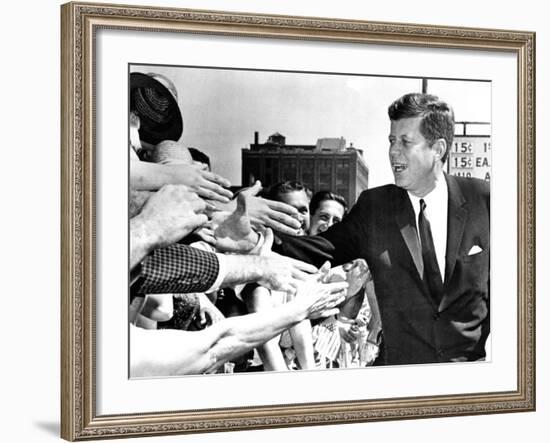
x=233, y=232
x=280, y=273
x=206, y=184
x=356, y=273
x=145, y=176
x=266, y=213
x=321, y=299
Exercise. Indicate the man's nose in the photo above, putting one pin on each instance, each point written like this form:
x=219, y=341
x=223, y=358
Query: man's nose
x=395, y=149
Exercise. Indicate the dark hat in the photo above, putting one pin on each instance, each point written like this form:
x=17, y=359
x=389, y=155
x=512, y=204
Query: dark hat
x=157, y=108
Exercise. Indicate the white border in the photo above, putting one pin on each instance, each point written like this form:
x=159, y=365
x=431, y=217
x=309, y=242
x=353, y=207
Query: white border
x=116, y=394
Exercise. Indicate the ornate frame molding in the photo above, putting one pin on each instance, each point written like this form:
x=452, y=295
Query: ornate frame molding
x=79, y=23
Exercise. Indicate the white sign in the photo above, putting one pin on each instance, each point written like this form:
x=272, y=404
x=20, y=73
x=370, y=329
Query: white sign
x=470, y=156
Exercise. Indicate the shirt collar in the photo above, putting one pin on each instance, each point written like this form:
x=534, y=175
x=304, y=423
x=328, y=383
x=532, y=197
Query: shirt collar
x=437, y=197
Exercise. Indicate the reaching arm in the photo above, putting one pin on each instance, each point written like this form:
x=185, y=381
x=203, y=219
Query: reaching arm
x=341, y=243
x=274, y=272
x=264, y=213
x=145, y=176
x=230, y=229
x=180, y=269
x=171, y=352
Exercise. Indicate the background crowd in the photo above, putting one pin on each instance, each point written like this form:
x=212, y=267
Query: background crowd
x=208, y=294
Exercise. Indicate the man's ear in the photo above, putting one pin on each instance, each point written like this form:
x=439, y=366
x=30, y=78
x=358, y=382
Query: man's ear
x=440, y=148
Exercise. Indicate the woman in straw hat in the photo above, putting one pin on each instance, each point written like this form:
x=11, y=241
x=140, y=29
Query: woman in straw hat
x=155, y=117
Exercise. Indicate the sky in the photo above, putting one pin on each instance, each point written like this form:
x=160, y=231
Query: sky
x=222, y=108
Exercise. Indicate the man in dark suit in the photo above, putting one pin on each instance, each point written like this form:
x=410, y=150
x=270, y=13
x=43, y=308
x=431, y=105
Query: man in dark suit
x=425, y=239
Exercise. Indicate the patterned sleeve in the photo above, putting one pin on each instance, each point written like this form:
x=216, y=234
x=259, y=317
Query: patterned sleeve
x=177, y=269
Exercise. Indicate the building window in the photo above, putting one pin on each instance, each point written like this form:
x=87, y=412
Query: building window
x=289, y=169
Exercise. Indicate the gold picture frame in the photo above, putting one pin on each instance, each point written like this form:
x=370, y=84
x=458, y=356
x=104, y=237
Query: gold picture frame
x=80, y=21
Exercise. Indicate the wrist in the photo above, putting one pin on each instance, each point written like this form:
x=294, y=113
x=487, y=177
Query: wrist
x=297, y=310
x=243, y=268
x=258, y=265
x=142, y=236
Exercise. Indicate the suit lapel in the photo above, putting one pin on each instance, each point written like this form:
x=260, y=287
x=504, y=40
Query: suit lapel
x=456, y=219
x=404, y=216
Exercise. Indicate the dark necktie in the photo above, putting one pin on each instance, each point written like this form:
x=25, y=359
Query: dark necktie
x=432, y=276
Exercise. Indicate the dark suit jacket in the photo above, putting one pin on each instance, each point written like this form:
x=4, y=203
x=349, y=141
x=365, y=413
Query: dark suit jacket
x=381, y=229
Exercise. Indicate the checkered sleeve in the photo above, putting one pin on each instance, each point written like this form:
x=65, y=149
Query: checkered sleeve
x=178, y=269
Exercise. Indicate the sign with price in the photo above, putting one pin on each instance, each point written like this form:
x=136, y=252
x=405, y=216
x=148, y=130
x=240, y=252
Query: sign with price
x=470, y=156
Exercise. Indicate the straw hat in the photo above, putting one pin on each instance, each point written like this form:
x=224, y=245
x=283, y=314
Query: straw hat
x=156, y=106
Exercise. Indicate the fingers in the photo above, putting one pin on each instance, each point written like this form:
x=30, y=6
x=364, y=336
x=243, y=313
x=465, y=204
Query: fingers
x=281, y=284
x=158, y=307
x=253, y=190
x=281, y=207
x=302, y=266
x=326, y=304
x=216, y=179
x=300, y=275
x=289, y=288
x=325, y=268
x=210, y=210
x=212, y=191
x=280, y=227
x=268, y=242
x=276, y=215
x=211, y=186
x=329, y=312
x=284, y=219
x=197, y=220
x=336, y=288
x=207, y=235
x=197, y=204
x=323, y=271
x=202, y=316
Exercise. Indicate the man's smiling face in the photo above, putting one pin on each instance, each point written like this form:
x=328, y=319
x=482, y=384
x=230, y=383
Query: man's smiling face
x=412, y=158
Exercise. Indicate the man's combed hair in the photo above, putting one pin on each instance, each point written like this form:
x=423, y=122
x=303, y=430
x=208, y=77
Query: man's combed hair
x=438, y=120
x=285, y=187
x=321, y=196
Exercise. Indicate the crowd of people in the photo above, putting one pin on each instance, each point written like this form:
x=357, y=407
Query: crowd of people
x=273, y=278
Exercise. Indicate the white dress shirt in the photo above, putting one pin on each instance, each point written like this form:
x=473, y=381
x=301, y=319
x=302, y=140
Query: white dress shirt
x=436, y=212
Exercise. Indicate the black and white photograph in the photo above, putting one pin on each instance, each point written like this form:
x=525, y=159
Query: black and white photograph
x=306, y=221
x=319, y=220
